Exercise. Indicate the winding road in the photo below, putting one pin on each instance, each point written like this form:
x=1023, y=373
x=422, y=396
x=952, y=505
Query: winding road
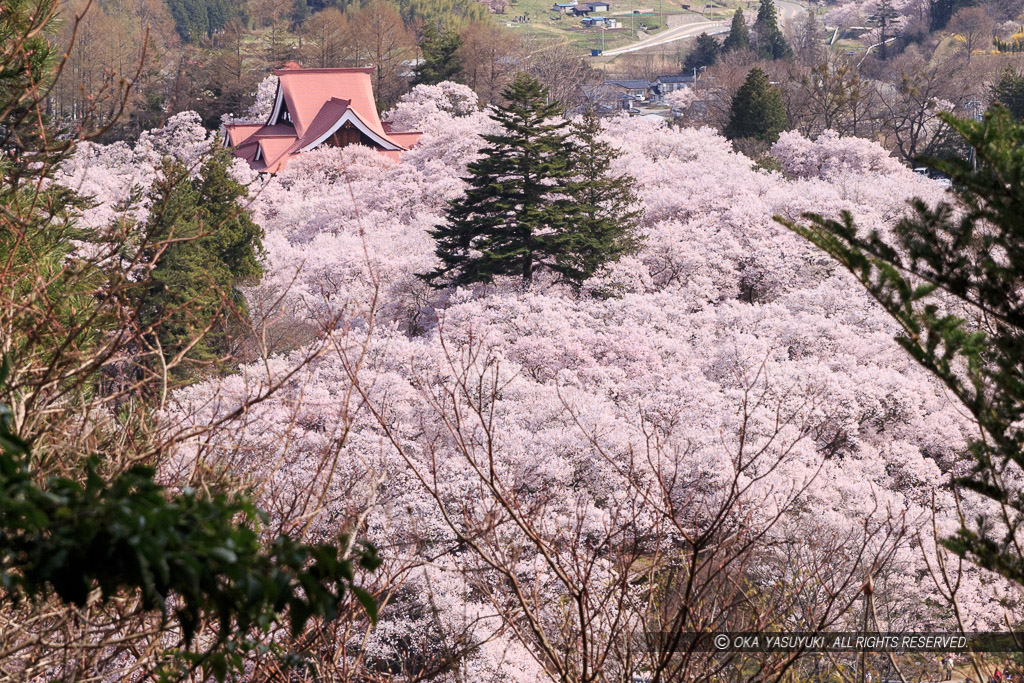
x=787, y=12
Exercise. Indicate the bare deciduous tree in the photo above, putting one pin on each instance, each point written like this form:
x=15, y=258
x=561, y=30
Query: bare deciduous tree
x=689, y=542
x=972, y=27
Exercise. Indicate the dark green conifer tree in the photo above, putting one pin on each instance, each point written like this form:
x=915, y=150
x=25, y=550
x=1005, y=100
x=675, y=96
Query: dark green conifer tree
x=739, y=34
x=299, y=14
x=210, y=247
x=603, y=208
x=508, y=222
x=885, y=15
x=705, y=53
x=757, y=110
x=941, y=11
x=535, y=200
x=1009, y=92
x=198, y=19
x=440, y=56
x=771, y=44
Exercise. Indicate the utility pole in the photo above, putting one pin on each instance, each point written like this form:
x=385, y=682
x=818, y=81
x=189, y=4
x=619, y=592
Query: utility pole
x=974, y=109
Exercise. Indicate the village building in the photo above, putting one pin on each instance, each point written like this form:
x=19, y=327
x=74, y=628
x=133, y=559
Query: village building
x=313, y=108
x=631, y=94
x=667, y=84
x=629, y=91
x=584, y=9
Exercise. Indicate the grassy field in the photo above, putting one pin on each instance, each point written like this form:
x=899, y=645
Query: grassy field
x=654, y=15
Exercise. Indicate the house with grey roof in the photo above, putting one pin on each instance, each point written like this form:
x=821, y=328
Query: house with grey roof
x=667, y=84
x=585, y=8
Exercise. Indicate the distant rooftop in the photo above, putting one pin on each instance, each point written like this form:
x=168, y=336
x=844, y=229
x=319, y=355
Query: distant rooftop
x=631, y=84
x=679, y=78
x=313, y=107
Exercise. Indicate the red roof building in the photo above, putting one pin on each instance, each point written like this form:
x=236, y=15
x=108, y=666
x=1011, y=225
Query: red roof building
x=315, y=107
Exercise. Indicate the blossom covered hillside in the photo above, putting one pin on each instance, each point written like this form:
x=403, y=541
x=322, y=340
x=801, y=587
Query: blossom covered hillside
x=523, y=458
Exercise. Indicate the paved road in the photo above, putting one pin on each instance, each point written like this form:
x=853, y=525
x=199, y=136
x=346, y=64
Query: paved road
x=787, y=12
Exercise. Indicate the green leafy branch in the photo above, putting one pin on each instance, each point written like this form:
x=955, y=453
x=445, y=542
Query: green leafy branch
x=952, y=278
x=190, y=556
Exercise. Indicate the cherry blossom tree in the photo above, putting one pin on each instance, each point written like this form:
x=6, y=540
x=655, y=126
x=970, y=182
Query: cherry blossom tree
x=556, y=477
x=830, y=155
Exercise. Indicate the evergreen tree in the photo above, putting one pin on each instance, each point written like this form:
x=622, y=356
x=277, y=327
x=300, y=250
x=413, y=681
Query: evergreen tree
x=603, y=207
x=536, y=200
x=971, y=336
x=1009, y=92
x=210, y=246
x=440, y=56
x=198, y=19
x=705, y=53
x=739, y=34
x=885, y=15
x=757, y=110
x=767, y=16
x=771, y=44
x=218, y=14
x=508, y=223
x=82, y=520
x=299, y=14
x=941, y=11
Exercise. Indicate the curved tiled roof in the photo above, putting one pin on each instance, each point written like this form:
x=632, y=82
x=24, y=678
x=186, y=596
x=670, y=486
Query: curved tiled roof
x=407, y=139
x=240, y=132
x=306, y=91
x=309, y=106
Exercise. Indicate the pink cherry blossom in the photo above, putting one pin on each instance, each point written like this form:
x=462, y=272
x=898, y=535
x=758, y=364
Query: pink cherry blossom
x=724, y=335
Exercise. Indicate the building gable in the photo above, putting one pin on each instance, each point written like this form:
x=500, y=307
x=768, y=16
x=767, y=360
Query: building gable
x=314, y=107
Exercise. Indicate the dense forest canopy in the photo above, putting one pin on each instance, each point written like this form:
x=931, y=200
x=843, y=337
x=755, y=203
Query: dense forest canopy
x=198, y=19
x=720, y=336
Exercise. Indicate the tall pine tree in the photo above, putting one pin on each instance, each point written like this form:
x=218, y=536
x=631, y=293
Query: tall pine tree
x=299, y=14
x=210, y=246
x=1009, y=92
x=757, y=110
x=508, y=221
x=885, y=16
x=771, y=44
x=705, y=53
x=440, y=56
x=534, y=201
x=739, y=34
x=602, y=207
